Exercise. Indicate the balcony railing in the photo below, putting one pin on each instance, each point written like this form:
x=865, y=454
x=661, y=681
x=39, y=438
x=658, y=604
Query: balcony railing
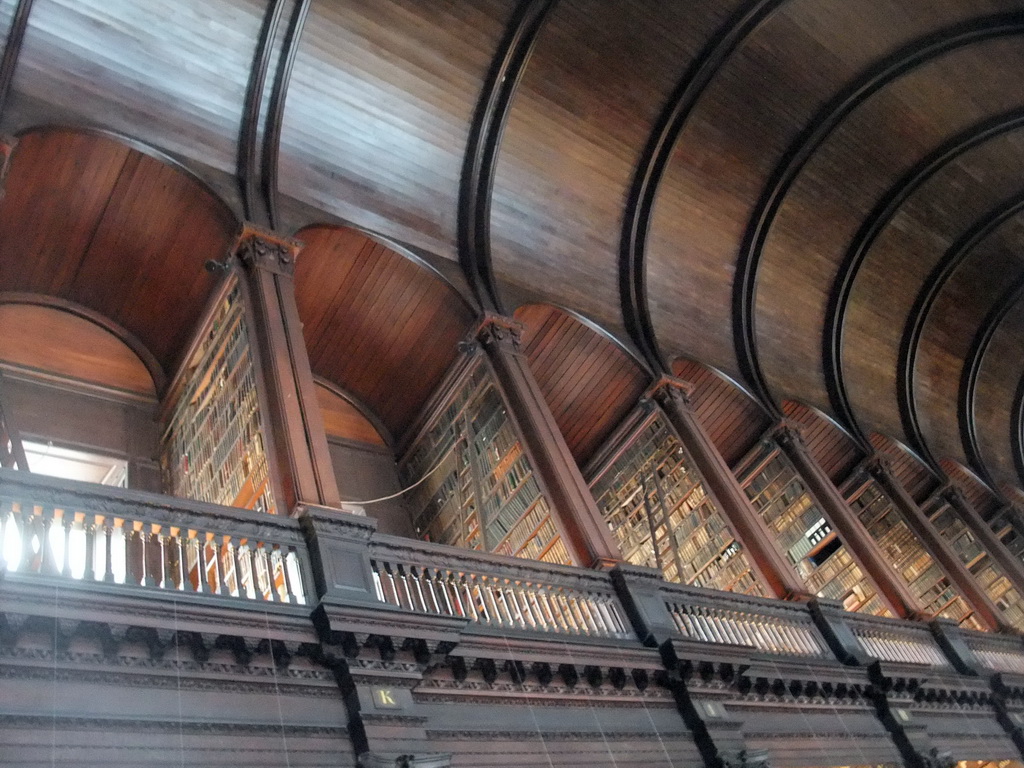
x=998, y=653
x=768, y=626
x=896, y=641
x=88, y=533
x=495, y=591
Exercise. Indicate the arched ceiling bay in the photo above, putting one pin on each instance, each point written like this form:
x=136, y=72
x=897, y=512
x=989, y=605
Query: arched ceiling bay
x=589, y=382
x=598, y=77
x=88, y=219
x=999, y=381
x=375, y=323
x=379, y=109
x=812, y=135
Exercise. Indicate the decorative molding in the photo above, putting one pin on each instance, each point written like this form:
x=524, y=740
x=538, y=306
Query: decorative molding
x=655, y=159
x=669, y=388
x=499, y=331
x=804, y=147
x=906, y=366
x=481, y=160
x=260, y=249
x=874, y=224
x=275, y=115
x=12, y=51
x=974, y=362
x=248, y=139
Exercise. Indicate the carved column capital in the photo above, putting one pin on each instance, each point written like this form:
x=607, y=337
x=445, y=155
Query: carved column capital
x=789, y=435
x=879, y=466
x=669, y=389
x=261, y=249
x=496, y=331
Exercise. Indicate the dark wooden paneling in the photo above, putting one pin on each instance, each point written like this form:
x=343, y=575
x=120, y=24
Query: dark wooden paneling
x=598, y=79
x=375, y=323
x=980, y=496
x=344, y=420
x=378, y=112
x=88, y=219
x=913, y=474
x=140, y=68
x=903, y=255
x=961, y=307
x=733, y=421
x=589, y=383
x=834, y=450
x=997, y=389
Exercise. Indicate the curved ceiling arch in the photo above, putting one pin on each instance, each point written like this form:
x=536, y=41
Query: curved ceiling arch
x=917, y=476
x=995, y=404
x=651, y=168
x=590, y=381
x=118, y=227
x=806, y=144
x=972, y=368
x=880, y=218
x=363, y=410
x=123, y=335
x=926, y=298
x=836, y=450
x=377, y=323
x=481, y=159
x=1017, y=431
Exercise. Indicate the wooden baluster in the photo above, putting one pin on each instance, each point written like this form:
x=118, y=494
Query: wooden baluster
x=289, y=580
x=375, y=573
x=172, y=560
x=6, y=520
x=151, y=560
x=266, y=585
x=218, y=548
x=236, y=565
x=29, y=532
x=244, y=569
x=89, y=527
x=67, y=519
x=107, y=543
x=48, y=563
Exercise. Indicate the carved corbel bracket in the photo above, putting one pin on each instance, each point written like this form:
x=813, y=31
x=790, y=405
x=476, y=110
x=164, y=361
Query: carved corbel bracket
x=258, y=248
x=670, y=389
x=499, y=331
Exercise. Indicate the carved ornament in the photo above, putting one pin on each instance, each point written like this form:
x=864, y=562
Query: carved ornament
x=260, y=249
x=498, y=331
x=669, y=389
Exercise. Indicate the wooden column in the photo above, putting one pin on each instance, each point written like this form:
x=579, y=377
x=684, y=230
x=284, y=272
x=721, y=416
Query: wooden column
x=588, y=538
x=851, y=531
x=673, y=397
x=879, y=467
x=1011, y=565
x=296, y=430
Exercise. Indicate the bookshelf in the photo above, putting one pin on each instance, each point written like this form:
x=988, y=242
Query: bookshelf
x=909, y=557
x=213, y=447
x=484, y=494
x=803, y=533
x=656, y=506
x=985, y=570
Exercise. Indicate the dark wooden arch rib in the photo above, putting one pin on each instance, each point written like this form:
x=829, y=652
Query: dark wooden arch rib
x=1017, y=430
x=653, y=162
x=875, y=223
x=480, y=164
x=275, y=117
x=802, y=149
x=975, y=360
x=248, y=137
x=12, y=50
x=926, y=297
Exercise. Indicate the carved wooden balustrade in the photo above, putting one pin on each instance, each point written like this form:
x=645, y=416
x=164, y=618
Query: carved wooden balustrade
x=495, y=591
x=896, y=641
x=768, y=626
x=87, y=533
x=996, y=652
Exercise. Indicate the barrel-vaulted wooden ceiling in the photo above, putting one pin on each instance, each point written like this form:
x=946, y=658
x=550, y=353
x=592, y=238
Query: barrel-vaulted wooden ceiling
x=822, y=199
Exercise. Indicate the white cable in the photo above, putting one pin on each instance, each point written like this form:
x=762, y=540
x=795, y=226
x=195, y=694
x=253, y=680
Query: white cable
x=433, y=469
